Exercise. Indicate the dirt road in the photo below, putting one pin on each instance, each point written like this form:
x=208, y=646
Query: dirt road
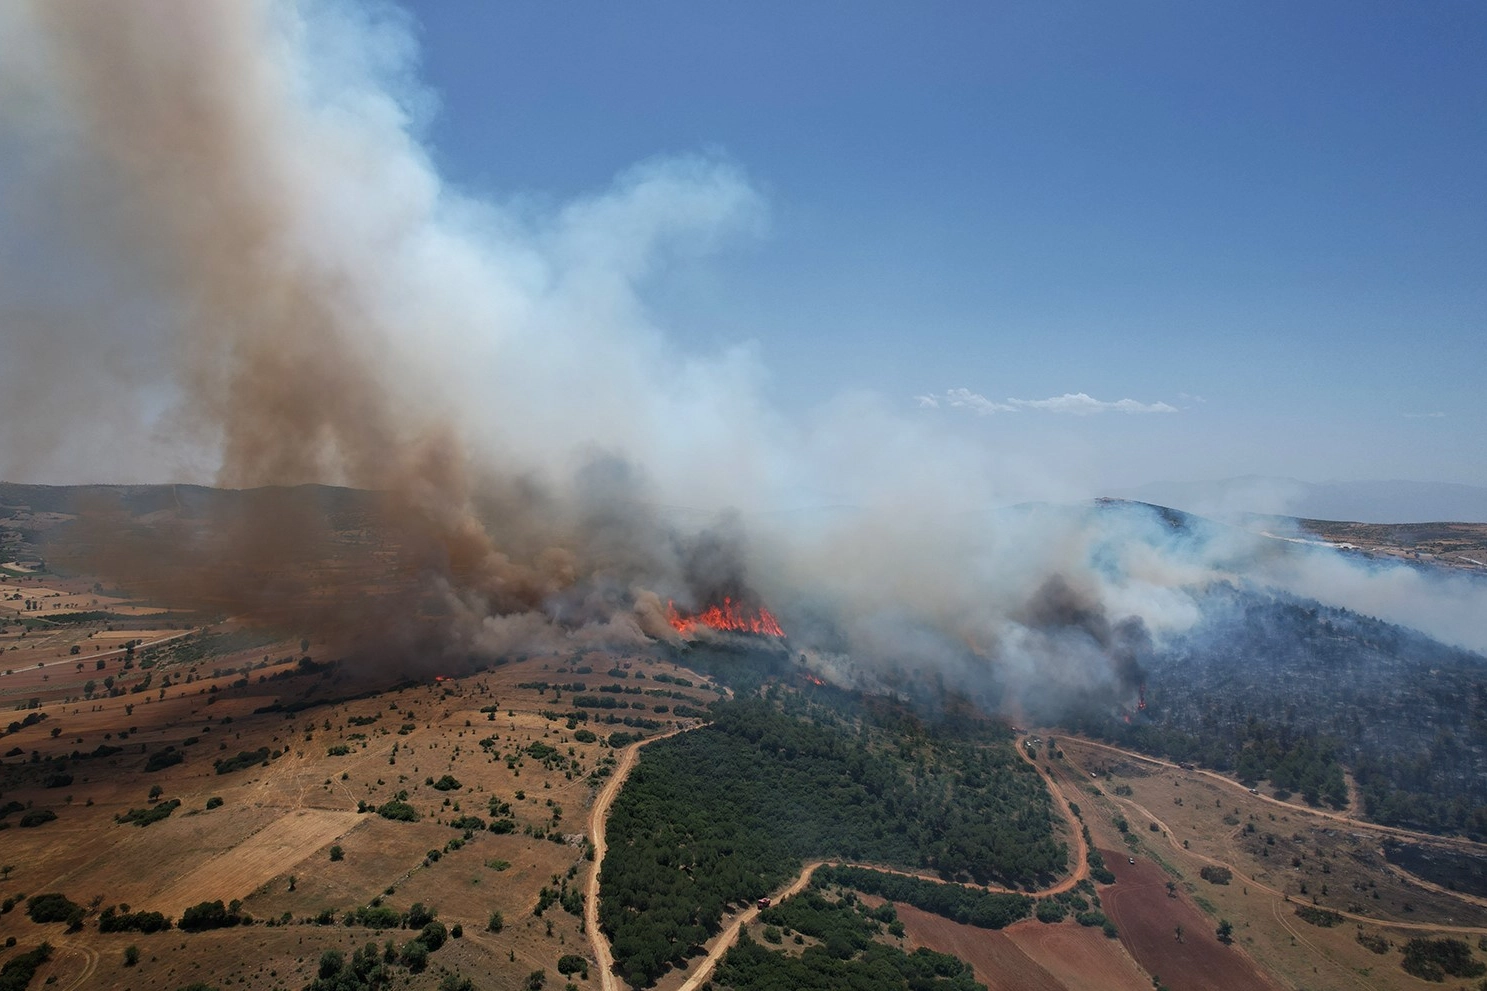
x=1081, y=848
x=1176, y=845
x=1352, y=822
x=597, y=815
x=725, y=939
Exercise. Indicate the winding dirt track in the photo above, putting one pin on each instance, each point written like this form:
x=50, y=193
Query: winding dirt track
x=724, y=940
x=90, y=962
x=597, y=816
x=1349, y=820
x=1176, y=845
x=1081, y=855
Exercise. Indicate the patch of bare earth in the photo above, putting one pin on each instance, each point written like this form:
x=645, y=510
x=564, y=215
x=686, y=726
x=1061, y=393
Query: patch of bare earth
x=1148, y=922
x=999, y=962
x=1079, y=956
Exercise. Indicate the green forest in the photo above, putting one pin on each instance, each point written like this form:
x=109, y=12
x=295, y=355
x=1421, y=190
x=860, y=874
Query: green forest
x=726, y=814
x=1273, y=687
x=846, y=958
x=983, y=909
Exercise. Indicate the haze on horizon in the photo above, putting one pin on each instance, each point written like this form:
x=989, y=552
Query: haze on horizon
x=1260, y=228
x=240, y=249
x=1108, y=247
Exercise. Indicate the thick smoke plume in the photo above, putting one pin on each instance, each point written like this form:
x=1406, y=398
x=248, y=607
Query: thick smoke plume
x=226, y=257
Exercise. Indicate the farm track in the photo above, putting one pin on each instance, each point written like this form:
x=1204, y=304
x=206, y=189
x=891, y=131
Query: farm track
x=90, y=963
x=725, y=939
x=597, y=816
x=1348, y=820
x=1175, y=844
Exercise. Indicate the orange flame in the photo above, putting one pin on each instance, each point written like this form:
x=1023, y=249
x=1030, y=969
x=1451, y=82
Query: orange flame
x=730, y=616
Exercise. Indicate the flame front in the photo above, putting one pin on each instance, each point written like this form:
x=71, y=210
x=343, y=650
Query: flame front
x=730, y=616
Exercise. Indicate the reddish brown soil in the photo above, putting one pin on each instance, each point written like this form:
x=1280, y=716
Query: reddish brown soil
x=1079, y=956
x=998, y=961
x=1148, y=922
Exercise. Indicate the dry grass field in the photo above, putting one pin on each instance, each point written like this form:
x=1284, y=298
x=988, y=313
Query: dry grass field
x=1282, y=857
x=266, y=840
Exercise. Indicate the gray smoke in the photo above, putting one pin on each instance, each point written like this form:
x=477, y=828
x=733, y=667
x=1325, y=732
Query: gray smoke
x=225, y=257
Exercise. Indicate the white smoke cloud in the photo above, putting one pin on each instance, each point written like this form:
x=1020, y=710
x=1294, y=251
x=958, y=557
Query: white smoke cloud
x=228, y=258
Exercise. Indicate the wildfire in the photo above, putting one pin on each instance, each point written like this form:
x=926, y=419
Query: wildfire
x=731, y=616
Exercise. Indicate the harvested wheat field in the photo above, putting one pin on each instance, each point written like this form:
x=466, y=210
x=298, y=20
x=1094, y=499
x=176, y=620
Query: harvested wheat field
x=260, y=858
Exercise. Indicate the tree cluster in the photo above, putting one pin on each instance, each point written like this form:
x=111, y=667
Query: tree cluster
x=983, y=909
x=1269, y=686
x=846, y=958
x=723, y=815
x=1434, y=959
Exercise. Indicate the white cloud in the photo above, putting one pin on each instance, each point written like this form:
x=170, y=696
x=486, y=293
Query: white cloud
x=1076, y=403
x=1082, y=404
x=1436, y=415
x=975, y=402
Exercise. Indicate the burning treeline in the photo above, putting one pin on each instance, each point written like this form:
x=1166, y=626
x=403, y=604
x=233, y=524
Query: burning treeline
x=236, y=262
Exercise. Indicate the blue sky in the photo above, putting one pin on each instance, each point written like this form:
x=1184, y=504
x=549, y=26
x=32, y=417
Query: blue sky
x=1278, y=208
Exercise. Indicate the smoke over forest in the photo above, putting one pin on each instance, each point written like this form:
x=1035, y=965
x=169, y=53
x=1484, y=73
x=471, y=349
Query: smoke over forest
x=227, y=258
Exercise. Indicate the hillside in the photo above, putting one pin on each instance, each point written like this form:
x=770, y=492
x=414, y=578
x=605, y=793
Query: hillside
x=1406, y=714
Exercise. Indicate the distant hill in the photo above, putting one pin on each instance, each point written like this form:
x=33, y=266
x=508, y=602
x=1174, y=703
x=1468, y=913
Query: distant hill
x=1362, y=502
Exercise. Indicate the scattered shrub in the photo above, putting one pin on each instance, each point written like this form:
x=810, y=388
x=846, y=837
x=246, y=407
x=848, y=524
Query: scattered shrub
x=18, y=970
x=161, y=759
x=434, y=935
x=145, y=817
x=415, y=956
x=209, y=915
x=113, y=921
x=1050, y=910
x=244, y=759
x=51, y=907
x=1433, y=959
x=1324, y=917
x=398, y=811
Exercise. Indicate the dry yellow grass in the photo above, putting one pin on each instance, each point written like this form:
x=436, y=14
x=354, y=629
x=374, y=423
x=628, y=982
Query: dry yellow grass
x=278, y=821
x=1211, y=817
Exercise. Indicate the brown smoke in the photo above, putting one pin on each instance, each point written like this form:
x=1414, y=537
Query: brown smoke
x=224, y=256
x=191, y=141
